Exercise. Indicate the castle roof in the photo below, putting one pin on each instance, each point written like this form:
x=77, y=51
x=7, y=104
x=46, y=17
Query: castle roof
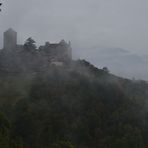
x=10, y=30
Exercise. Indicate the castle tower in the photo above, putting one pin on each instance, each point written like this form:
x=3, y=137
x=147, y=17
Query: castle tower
x=10, y=39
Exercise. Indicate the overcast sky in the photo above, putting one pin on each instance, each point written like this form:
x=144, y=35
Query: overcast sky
x=91, y=25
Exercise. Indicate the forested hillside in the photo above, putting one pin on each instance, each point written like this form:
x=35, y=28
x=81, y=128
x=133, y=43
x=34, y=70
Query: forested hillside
x=72, y=106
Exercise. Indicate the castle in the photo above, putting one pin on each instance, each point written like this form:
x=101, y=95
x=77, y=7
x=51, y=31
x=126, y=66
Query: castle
x=15, y=58
x=61, y=51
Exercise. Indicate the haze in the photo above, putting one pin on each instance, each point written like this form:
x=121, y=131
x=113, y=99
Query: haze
x=110, y=33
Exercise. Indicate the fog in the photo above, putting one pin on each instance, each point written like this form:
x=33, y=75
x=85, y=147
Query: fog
x=110, y=33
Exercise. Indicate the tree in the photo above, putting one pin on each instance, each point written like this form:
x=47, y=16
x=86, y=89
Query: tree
x=4, y=131
x=30, y=45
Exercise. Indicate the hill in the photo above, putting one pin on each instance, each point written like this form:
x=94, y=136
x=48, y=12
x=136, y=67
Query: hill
x=72, y=106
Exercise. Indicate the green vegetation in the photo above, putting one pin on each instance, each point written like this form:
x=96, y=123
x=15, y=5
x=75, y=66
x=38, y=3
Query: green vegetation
x=77, y=106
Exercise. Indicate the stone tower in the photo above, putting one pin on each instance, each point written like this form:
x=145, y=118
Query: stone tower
x=10, y=39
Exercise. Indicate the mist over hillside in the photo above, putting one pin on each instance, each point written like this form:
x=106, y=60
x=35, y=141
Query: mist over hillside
x=120, y=61
x=72, y=106
x=49, y=100
x=73, y=74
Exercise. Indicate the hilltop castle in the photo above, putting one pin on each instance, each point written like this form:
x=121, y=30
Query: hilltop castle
x=58, y=52
x=15, y=58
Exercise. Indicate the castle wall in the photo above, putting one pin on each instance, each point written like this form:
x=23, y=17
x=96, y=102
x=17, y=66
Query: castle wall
x=59, y=52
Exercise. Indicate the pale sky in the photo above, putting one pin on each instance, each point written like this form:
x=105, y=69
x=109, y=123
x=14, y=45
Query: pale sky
x=91, y=25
